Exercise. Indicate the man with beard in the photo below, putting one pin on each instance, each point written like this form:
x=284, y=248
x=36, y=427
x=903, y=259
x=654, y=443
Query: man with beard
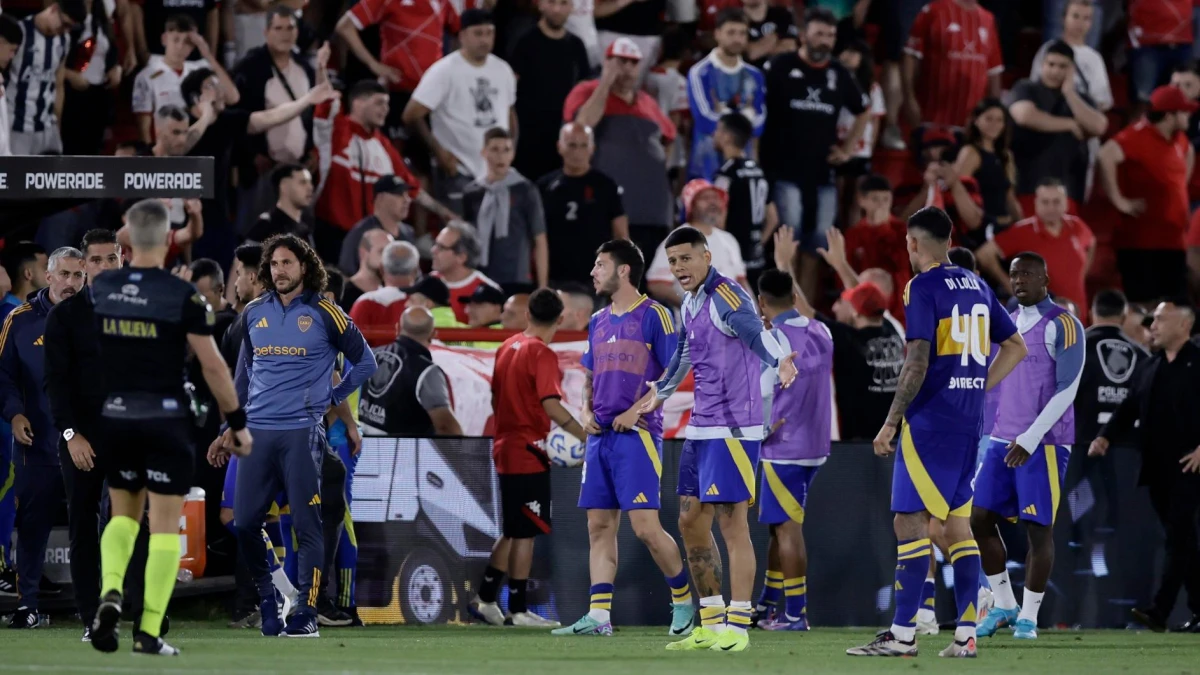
x=247, y=286
x=23, y=404
x=705, y=205
x=370, y=263
x=293, y=336
x=624, y=452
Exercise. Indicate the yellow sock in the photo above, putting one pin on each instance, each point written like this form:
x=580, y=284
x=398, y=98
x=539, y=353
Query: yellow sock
x=116, y=548
x=162, y=566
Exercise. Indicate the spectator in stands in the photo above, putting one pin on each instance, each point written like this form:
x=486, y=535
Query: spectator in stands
x=582, y=206
x=484, y=306
x=1091, y=73
x=507, y=212
x=722, y=82
x=772, y=31
x=33, y=100
x=987, y=157
x=806, y=92
x=878, y=239
x=1052, y=124
x=578, y=307
x=1144, y=170
x=92, y=71
x=370, y=261
x=856, y=56
x=1193, y=253
x=377, y=312
x=204, y=14
x=432, y=294
x=11, y=36
x=514, y=315
x=1066, y=242
x=1057, y=13
x=294, y=185
x=706, y=206
x=640, y=22
x=667, y=85
x=548, y=62
x=582, y=24
x=269, y=76
x=392, y=202
x=455, y=254
x=1160, y=34
x=958, y=47
x=940, y=185
x=632, y=138
x=751, y=217
x=411, y=36
x=464, y=94
x=160, y=82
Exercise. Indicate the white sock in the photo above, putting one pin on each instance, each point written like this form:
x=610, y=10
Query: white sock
x=743, y=605
x=283, y=584
x=601, y=615
x=925, y=615
x=1032, y=603
x=1002, y=590
x=904, y=633
x=964, y=633
x=713, y=601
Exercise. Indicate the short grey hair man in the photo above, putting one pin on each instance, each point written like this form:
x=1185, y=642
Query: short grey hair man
x=468, y=240
x=63, y=252
x=148, y=222
x=401, y=264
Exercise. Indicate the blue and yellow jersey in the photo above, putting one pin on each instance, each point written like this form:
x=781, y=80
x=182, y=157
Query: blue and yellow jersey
x=955, y=311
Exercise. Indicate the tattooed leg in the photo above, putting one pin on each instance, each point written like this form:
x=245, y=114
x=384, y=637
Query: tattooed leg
x=704, y=560
x=735, y=530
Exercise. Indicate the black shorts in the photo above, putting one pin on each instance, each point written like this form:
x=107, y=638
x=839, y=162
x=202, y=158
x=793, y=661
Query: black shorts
x=154, y=454
x=525, y=504
x=1149, y=275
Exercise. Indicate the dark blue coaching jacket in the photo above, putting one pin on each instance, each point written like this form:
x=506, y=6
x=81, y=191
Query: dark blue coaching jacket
x=21, y=378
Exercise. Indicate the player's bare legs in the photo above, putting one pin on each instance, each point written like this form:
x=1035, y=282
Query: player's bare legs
x=704, y=559
x=1037, y=574
x=662, y=547
x=603, y=525
x=986, y=526
x=791, y=559
x=735, y=531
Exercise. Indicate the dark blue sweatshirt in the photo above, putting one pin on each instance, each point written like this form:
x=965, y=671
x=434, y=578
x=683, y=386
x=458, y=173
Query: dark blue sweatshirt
x=21, y=378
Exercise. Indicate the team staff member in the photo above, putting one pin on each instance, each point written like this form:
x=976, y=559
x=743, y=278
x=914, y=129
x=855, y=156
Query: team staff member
x=1163, y=400
x=527, y=394
x=23, y=404
x=150, y=318
x=75, y=393
x=292, y=338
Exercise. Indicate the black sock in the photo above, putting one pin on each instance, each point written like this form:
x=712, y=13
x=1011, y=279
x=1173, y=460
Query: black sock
x=516, y=595
x=490, y=586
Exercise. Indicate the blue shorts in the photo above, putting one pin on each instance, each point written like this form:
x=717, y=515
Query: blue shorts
x=621, y=470
x=1029, y=492
x=784, y=492
x=718, y=470
x=933, y=473
x=279, y=506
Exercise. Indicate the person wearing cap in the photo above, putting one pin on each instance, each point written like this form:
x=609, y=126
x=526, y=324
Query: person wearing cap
x=376, y=312
x=432, y=293
x=409, y=394
x=391, y=206
x=464, y=94
x=640, y=22
x=294, y=185
x=706, y=205
x=484, y=306
x=1052, y=122
x=1145, y=170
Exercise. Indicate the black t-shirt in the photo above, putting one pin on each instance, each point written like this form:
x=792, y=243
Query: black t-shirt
x=1108, y=377
x=156, y=13
x=579, y=213
x=218, y=141
x=803, y=103
x=1042, y=155
x=866, y=368
x=749, y=194
x=350, y=293
x=547, y=70
x=275, y=222
x=638, y=18
x=778, y=21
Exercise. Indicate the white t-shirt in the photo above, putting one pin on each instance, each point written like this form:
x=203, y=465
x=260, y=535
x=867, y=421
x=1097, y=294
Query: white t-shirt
x=726, y=257
x=669, y=89
x=5, y=121
x=1091, y=76
x=582, y=23
x=464, y=102
x=158, y=84
x=94, y=72
x=877, y=110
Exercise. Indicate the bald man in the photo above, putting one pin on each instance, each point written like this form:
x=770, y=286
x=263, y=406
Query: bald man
x=513, y=315
x=409, y=394
x=577, y=309
x=370, y=260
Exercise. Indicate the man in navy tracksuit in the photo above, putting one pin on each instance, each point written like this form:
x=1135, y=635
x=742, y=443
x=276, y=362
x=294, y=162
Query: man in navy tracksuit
x=39, y=483
x=284, y=379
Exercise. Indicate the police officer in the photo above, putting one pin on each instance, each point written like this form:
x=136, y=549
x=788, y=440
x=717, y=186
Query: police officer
x=408, y=395
x=38, y=483
x=147, y=320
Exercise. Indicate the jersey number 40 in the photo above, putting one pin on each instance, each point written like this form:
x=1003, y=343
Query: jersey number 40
x=968, y=335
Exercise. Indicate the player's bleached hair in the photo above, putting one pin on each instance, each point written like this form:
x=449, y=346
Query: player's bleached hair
x=61, y=253
x=148, y=223
x=401, y=258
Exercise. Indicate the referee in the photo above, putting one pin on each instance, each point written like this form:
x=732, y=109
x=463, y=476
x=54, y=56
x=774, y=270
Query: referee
x=148, y=320
x=1163, y=398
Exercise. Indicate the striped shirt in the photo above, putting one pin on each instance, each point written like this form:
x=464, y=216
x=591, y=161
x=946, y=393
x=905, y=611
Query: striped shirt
x=31, y=93
x=959, y=49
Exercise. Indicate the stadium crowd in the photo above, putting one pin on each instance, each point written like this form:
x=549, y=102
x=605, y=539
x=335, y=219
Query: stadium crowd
x=456, y=156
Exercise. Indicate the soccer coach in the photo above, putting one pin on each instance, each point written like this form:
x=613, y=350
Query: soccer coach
x=292, y=337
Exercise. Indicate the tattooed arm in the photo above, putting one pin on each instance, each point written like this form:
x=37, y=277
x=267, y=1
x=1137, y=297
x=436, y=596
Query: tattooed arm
x=912, y=376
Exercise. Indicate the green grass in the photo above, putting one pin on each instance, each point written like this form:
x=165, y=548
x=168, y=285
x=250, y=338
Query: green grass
x=473, y=650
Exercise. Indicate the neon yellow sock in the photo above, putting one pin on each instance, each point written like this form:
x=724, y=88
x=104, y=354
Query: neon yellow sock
x=116, y=548
x=162, y=565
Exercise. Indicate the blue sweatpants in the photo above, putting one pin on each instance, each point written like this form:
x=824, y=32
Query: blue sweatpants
x=346, y=561
x=39, y=491
x=288, y=460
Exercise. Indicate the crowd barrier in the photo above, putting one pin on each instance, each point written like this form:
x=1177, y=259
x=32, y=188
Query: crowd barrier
x=426, y=514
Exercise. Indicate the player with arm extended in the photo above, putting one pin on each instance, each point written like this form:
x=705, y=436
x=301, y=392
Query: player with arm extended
x=799, y=427
x=630, y=343
x=1025, y=465
x=953, y=320
x=293, y=336
x=723, y=339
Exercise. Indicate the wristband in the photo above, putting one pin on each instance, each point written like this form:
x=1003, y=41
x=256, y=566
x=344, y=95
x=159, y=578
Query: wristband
x=236, y=419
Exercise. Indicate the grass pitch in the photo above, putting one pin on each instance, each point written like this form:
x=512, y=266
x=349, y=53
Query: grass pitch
x=211, y=648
